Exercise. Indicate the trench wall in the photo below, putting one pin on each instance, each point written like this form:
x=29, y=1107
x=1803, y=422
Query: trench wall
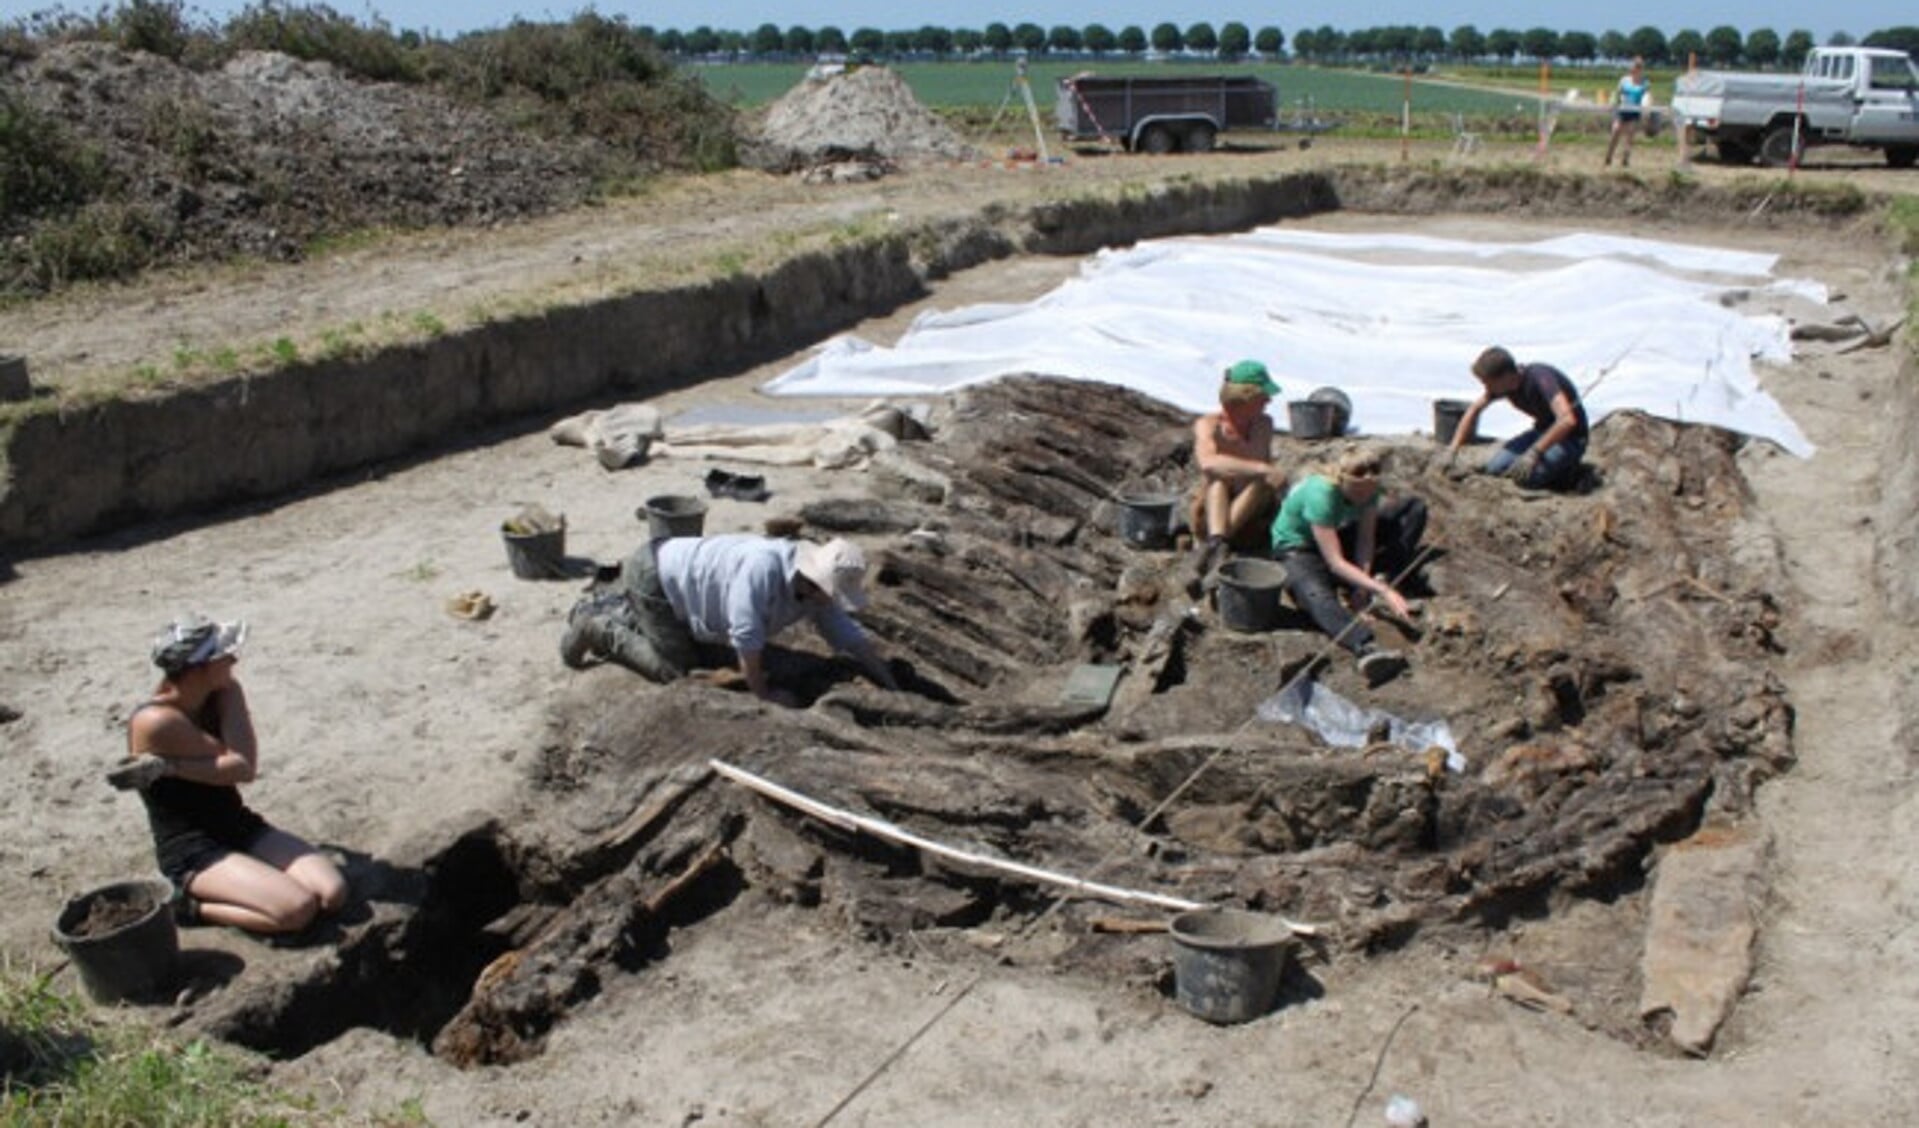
x=92, y=469
x=1897, y=524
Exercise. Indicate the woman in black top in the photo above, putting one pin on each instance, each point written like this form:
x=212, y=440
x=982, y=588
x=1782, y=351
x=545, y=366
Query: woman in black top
x=189, y=748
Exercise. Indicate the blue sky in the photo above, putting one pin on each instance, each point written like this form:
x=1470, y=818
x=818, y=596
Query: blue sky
x=1858, y=18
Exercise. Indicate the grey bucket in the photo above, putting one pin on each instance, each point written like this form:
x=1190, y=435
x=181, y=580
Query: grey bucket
x=133, y=961
x=1342, y=408
x=1146, y=520
x=1227, y=963
x=674, y=515
x=1446, y=416
x=1311, y=419
x=1248, y=594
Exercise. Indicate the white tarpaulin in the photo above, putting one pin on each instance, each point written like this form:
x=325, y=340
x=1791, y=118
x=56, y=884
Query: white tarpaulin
x=1393, y=321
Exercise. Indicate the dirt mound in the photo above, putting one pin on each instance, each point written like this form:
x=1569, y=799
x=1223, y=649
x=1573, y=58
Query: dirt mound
x=868, y=110
x=267, y=153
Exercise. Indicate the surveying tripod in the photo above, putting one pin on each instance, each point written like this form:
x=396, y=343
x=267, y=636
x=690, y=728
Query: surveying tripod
x=1023, y=87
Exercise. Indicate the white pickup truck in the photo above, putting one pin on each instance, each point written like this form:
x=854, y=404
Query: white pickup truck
x=1865, y=97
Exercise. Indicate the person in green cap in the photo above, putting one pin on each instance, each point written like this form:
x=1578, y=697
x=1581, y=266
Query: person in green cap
x=1233, y=448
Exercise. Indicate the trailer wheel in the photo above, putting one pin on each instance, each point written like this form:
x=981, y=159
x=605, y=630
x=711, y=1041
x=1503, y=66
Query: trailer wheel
x=1157, y=140
x=1901, y=156
x=1777, y=150
x=1198, y=138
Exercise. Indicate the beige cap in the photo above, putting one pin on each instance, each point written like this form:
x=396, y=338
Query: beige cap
x=838, y=567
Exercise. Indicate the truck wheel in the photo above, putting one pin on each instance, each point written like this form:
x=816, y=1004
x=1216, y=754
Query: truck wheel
x=1776, y=151
x=1157, y=140
x=1736, y=152
x=1198, y=139
x=1902, y=156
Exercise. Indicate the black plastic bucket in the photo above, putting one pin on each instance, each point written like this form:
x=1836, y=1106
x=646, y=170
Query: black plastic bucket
x=537, y=556
x=1227, y=963
x=1342, y=408
x=1146, y=520
x=1311, y=419
x=1248, y=594
x=134, y=955
x=673, y=515
x=1446, y=416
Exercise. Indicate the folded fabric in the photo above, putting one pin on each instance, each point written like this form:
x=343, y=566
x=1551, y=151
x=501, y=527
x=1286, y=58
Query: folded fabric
x=619, y=436
x=835, y=444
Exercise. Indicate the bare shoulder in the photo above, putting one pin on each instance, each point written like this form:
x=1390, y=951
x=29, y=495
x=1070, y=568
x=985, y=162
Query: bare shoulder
x=162, y=729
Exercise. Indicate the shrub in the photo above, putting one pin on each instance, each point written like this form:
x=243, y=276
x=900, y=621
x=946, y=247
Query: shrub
x=320, y=34
x=159, y=27
x=42, y=169
x=103, y=239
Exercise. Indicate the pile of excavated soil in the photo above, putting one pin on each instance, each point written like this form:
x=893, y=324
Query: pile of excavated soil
x=868, y=110
x=264, y=154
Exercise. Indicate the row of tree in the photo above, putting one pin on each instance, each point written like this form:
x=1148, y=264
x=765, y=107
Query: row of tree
x=1723, y=46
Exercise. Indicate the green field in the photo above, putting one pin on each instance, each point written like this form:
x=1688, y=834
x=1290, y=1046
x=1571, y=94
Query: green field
x=959, y=85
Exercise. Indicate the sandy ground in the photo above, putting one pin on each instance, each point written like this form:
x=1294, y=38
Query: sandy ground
x=380, y=715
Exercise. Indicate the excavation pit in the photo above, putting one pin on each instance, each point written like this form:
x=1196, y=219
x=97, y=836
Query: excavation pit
x=1581, y=761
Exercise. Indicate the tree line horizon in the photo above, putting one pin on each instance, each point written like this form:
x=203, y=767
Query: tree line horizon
x=1723, y=45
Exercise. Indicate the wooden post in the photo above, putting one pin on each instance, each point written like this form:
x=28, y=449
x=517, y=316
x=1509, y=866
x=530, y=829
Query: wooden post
x=1545, y=93
x=1406, y=116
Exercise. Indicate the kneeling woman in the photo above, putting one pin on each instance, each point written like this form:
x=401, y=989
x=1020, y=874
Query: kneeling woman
x=1332, y=529
x=190, y=747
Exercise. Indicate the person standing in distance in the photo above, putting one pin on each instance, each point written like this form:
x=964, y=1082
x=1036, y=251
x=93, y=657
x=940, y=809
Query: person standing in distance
x=1629, y=106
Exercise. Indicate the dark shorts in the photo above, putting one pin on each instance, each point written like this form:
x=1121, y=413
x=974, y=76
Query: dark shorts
x=185, y=856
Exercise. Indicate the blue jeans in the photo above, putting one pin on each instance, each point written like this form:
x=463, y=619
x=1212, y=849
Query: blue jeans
x=1557, y=464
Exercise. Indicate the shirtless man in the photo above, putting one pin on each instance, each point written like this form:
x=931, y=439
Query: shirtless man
x=1233, y=448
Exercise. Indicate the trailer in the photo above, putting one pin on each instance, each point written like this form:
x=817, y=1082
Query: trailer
x=1164, y=115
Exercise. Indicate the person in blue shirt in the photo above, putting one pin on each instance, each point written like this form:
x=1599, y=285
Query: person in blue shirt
x=1546, y=455
x=1332, y=531
x=737, y=590
x=1629, y=107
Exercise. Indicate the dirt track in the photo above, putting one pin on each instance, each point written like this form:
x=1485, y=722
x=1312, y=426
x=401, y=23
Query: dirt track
x=369, y=697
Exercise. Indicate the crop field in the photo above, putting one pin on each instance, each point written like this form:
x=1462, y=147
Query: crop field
x=960, y=85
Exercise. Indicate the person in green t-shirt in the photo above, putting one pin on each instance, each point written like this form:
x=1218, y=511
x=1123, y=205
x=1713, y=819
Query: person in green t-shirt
x=1331, y=530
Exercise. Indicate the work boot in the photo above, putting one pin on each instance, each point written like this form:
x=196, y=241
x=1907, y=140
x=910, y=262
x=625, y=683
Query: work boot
x=137, y=774
x=1381, y=666
x=1205, y=558
x=585, y=638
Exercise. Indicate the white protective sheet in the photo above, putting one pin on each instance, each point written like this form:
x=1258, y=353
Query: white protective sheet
x=1392, y=320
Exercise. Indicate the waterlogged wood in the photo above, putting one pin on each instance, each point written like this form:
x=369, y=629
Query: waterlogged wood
x=847, y=820
x=520, y=996
x=615, y=847
x=881, y=710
